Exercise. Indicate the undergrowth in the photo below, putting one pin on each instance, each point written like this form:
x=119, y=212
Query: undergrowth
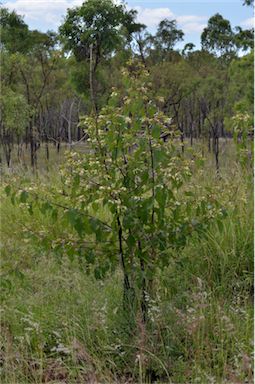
x=60, y=325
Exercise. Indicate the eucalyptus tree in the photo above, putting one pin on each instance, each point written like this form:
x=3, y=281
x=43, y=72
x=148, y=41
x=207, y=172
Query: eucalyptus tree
x=16, y=37
x=36, y=72
x=177, y=84
x=94, y=31
x=167, y=35
x=32, y=57
x=241, y=84
x=213, y=96
x=239, y=117
x=14, y=119
x=160, y=47
x=218, y=36
x=244, y=38
x=14, y=32
x=188, y=48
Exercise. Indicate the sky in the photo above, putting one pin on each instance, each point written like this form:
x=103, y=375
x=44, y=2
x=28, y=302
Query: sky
x=191, y=15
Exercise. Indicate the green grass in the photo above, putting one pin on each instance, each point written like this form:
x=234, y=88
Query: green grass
x=60, y=325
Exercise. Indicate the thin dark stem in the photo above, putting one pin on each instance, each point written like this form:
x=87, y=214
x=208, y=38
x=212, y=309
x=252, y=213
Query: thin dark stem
x=153, y=180
x=91, y=75
x=121, y=253
x=144, y=306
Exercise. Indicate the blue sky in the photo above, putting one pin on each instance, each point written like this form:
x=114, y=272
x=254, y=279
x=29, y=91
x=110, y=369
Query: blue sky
x=192, y=16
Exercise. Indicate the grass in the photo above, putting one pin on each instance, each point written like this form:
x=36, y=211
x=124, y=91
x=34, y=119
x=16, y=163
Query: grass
x=60, y=325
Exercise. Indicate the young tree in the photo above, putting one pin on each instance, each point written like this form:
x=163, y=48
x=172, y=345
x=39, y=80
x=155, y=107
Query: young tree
x=136, y=178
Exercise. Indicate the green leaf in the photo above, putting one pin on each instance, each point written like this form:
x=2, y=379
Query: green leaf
x=76, y=180
x=155, y=132
x=189, y=193
x=98, y=273
x=23, y=197
x=95, y=206
x=45, y=207
x=159, y=156
x=54, y=215
x=127, y=221
x=161, y=196
x=71, y=216
x=90, y=256
x=145, y=176
x=70, y=253
x=220, y=225
x=87, y=226
x=79, y=226
x=131, y=241
x=6, y=284
x=30, y=209
x=7, y=190
x=142, y=213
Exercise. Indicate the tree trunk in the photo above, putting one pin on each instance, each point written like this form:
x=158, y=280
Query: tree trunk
x=209, y=142
x=47, y=148
x=91, y=79
x=217, y=153
x=191, y=134
x=58, y=146
x=144, y=302
x=32, y=144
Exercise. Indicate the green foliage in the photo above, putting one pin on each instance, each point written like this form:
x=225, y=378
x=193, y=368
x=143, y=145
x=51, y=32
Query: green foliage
x=243, y=133
x=16, y=36
x=131, y=172
x=188, y=48
x=100, y=23
x=218, y=35
x=14, y=112
x=167, y=35
x=136, y=177
x=239, y=119
x=61, y=323
x=14, y=31
x=244, y=38
x=241, y=85
x=219, y=38
x=130, y=218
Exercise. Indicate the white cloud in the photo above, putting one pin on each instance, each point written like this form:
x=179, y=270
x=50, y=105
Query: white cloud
x=152, y=16
x=193, y=27
x=190, y=18
x=192, y=23
x=49, y=13
x=248, y=23
x=43, y=11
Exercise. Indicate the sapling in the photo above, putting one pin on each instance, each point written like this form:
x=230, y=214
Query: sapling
x=129, y=197
x=135, y=176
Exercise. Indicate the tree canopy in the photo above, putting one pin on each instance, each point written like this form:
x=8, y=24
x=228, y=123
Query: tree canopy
x=103, y=24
